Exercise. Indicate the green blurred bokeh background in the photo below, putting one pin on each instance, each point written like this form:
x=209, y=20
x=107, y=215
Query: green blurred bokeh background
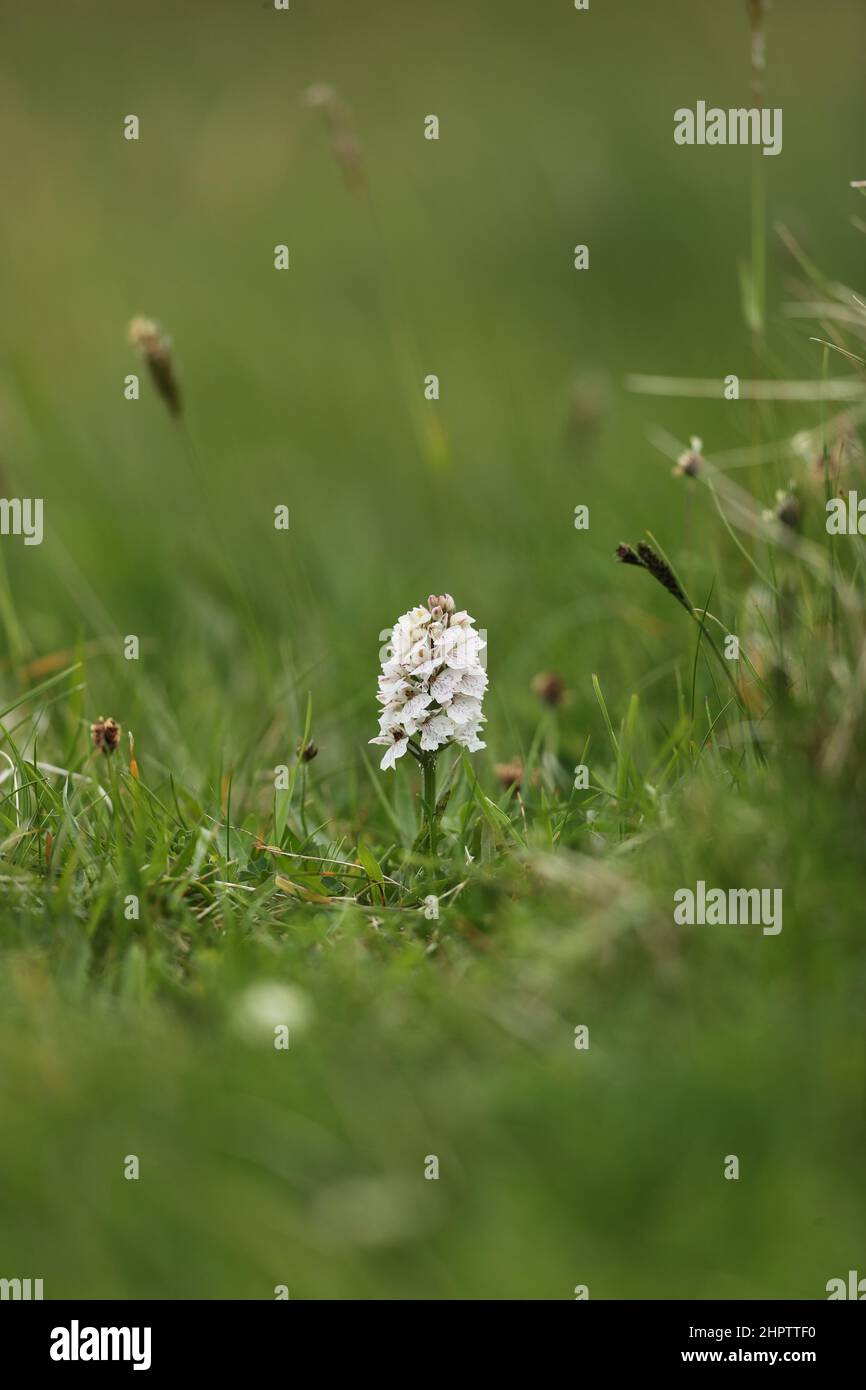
x=306, y=387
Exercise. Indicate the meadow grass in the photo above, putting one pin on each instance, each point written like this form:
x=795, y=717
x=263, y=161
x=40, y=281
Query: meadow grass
x=414, y=1036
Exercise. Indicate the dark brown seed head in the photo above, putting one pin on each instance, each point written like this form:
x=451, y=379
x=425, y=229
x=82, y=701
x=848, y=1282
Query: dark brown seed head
x=626, y=555
x=788, y=509
x=549, y=688
x=661, y=571
x=105, y=734
x=145, y=335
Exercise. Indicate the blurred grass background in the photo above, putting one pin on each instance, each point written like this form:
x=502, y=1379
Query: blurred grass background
x=306, y=388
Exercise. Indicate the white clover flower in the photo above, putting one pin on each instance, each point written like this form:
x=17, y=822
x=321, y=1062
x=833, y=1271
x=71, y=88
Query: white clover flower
x=432, y=682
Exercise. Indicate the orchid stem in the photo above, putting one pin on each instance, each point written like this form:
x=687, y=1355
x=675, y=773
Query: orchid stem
x=429, y=765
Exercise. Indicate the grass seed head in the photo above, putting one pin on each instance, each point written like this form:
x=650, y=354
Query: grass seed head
x=627, y=556
x=646, y=558
x=338, y=121
x=105, y=734
x=549, y=688
x=151, y=342
x=691, y=460
x=787, y=509
x=661, y=570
